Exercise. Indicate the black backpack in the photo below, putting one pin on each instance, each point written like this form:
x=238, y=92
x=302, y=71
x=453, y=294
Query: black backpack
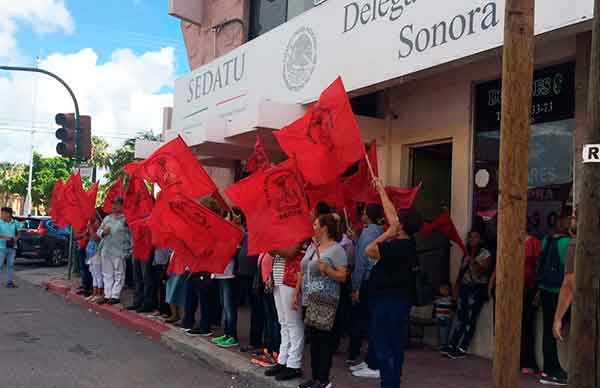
x=551, y=269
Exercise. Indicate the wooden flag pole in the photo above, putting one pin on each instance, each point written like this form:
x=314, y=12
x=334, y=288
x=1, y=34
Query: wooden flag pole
x=584, y=354
x=517, y=75
x=370, y=167
x=348, y=226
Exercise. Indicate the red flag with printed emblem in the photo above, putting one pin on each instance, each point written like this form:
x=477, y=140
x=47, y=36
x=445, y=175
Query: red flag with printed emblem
x=174, y=168
x=358, y=187
x=92, y=194
x=137, y=201
x=259, y=160
x=277, y=213
x=142, y=238
x=76, y=205
x=200, y=238
x=403, y=198
x=56, y=204
x=445, y=225
x=326, y=140
x=331, y=193
x=115, y=191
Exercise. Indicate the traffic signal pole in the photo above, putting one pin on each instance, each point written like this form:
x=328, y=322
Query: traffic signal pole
x=36, y=70
x=77, y=130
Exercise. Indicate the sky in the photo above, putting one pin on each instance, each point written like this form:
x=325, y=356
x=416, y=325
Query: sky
x=120, y=57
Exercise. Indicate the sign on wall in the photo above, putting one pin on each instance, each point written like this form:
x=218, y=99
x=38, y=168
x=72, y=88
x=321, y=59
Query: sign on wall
x=365, y=41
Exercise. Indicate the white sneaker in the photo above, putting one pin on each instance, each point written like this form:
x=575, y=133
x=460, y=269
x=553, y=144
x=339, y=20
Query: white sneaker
x=367, y=373
x=362, y=365
x=328, y=386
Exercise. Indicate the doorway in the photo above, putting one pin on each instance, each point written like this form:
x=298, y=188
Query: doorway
x=431, y=165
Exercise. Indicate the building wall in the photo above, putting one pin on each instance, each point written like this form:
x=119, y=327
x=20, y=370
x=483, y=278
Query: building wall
x=439, y=108
x=224, y=27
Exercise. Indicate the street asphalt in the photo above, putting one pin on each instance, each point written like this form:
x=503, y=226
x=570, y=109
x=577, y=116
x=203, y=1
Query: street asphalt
x=47, y=342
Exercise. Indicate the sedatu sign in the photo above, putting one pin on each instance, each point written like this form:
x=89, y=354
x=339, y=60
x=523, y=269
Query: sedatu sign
x=366, y=42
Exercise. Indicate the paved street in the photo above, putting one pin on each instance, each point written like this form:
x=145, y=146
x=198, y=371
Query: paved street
x=46, y=342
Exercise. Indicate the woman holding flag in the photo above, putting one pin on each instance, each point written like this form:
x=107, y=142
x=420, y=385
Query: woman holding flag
x=116, y=246
x=392, y=284
x=322, y=271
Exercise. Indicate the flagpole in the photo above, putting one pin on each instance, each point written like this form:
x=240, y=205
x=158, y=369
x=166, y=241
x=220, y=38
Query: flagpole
x=370, y=167
x=348, y=226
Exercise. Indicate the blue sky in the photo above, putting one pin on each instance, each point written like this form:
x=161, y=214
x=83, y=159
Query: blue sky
x=120, y=57
x=108, y=25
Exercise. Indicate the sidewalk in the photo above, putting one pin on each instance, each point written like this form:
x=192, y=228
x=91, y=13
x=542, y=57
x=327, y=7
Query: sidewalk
x=424, y=368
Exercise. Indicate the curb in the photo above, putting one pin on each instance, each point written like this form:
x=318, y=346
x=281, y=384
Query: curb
x=223, y=359
x=128, y=319
x=194, y=347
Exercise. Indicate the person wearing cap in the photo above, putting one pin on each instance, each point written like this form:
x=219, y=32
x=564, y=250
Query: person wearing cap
x=9, y=234
x=115, y=247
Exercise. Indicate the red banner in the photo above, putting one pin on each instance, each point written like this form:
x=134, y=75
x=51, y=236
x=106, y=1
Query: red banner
x=445, y=225
x=259, y=160
x=142, y=238
x=56, y=204
x=326, y=140
x=174, y=168
x=115, y=191
x=275, y=206
x=204, y=241
x=137, y=202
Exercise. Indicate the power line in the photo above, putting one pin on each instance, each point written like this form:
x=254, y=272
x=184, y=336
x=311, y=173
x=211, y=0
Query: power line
x=47, y=132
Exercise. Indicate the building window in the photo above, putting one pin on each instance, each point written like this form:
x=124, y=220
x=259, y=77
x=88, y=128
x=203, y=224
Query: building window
x=296, y=7
x=550, y=148
x=268, y=14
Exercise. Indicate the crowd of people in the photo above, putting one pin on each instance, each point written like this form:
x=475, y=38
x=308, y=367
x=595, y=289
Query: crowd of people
x=339, y=282
x=310, y=294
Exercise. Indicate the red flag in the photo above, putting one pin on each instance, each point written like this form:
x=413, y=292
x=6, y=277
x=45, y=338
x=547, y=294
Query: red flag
x=56, y=204
x=175, y=168
x=92, y=194
x=358, y=187
x=199, y=237
x=137, y=201
x=326, y=140
x=259, y=160
x=403, y=198
x=330, y=193
x=445, y=225
x=115, y=191
x=142, y=238
x=275, y=207
x=77, y=209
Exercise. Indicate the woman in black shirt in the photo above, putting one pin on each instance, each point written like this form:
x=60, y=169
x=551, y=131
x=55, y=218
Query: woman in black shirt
x=392, y=286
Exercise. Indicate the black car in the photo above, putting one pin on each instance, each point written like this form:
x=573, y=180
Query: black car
x=41, y=239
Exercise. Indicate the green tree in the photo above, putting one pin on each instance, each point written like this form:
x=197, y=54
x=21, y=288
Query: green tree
x=100, y=155
x=119, y=159
x=46, y=171
x=13, y=178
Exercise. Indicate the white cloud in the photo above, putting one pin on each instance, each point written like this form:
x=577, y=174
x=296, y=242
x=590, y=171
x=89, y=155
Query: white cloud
x=43, y=16
x=123, y=96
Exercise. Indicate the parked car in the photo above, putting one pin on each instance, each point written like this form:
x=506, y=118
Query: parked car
x=41, y=239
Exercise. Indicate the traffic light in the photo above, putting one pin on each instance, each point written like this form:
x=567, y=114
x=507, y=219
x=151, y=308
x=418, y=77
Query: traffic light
x=67, y=134
x=85, y=138
x=73, y=144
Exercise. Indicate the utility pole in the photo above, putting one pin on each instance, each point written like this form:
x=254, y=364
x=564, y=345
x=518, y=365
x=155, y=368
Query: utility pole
x=517, y=75
x=584, y=367
x=28, y=197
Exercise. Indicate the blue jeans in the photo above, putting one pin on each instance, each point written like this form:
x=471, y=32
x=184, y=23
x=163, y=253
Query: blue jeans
x=229, y=303
x=470, y=303
x=388, y=324
x=444, y=325
x=8, y=255
x=84, y=270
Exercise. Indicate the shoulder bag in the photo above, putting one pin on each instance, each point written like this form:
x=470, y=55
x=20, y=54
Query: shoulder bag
x=321, y=309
